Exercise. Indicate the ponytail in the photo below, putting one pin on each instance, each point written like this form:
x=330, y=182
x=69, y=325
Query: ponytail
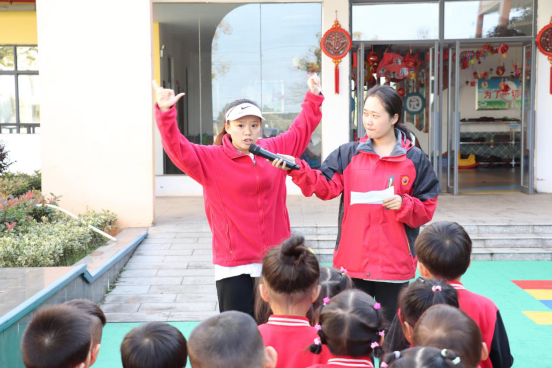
x=422, y=357
x=218, y=139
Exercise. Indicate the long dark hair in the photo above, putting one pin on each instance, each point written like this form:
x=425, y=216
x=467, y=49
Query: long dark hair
x=218, y=139
x=392, y=103
x=350, y=324
x=332, y=282
x=422, y=357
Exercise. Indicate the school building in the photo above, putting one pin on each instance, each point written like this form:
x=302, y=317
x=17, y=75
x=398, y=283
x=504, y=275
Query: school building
x=76, y=100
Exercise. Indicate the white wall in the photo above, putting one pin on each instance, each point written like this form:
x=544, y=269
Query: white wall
x=97, y=117
x=543, y=106
x=24, y=149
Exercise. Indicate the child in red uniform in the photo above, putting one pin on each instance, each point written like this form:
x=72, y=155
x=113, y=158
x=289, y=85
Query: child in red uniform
x=290, y=285
x=446, y=327
x=413, y=302
x=351, y=325
x=444, y=251
x=422, y=357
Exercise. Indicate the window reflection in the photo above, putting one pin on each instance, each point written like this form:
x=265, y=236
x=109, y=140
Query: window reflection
x=27, y=58
x=29, y=99
x=6, y=58
x=7, y=99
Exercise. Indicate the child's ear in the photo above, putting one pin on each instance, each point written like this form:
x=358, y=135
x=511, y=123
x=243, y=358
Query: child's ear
x=271, y=357
x=316, y=292
x=469, y=265
x=408, y=331
x=94, y=354
x=484, y=352
x=264, y=293
x=423, y=270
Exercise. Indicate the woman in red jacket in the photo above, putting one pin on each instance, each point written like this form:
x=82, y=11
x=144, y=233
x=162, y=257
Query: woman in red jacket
x=245, y=197
x=377, y=229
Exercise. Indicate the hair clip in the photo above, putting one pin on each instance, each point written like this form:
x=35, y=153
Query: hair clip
x=434, y=288
x=343, y=271
x=317, y=341
x=444, y=353
x=382, y=333
x=421, y=279
x=456, y=360
x=383, y=365
x=374, y=345
x=310, y=250
x=326, y=300
x=318, y=327
x=397, y=354
x=377, y=306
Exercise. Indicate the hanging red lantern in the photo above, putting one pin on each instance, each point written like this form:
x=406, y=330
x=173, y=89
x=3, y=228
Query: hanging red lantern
x=336, y=44
x=373, y=58
x=401, y=92
x=500, y=69
x=544, y=43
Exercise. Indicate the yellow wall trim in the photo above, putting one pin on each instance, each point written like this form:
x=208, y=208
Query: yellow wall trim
x=18, y=28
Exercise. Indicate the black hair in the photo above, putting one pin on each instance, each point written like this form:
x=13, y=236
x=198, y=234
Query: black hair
x=231, y=105
x=444, y=248
x=422, y=357
x=422, y=294
x=349, y=324
x=228, y=340
x=92, y=309
x=443, y=326
x=392, y=103
x=154, y=345
x=332, y=282
x=57, y=337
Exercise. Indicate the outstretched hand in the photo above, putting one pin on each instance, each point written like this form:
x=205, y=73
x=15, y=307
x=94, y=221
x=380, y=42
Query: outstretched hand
x=314, y=84
x=165, y=97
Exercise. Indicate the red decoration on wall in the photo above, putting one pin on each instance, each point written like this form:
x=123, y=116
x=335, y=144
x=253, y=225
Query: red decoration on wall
x=336, y=43
x=544, y=43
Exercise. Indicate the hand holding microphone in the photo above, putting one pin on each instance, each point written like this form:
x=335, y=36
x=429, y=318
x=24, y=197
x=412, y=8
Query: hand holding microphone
x=283, y=162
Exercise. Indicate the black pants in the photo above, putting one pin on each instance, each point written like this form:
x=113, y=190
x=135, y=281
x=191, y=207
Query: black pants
x=237, y=293
x=385, y=293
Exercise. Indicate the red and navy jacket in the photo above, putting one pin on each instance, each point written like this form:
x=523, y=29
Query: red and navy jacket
x=487, y=316
x=245, y=202
x=374, y=243
x=291, y=337
x=346, y=362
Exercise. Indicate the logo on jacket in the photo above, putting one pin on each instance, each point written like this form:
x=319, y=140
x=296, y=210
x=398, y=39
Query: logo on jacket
x=405, y=180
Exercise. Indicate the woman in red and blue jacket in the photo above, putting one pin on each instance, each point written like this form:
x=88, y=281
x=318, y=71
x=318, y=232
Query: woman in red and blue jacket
x=245, y=196
x=375, y=242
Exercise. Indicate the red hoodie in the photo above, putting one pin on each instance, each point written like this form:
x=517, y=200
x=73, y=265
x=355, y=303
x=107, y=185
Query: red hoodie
x=245, y=203
x=374, y=243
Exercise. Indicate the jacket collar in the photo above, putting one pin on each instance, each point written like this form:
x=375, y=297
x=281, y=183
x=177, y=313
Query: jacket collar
x=229, y=149
x=403, y=145
x=456, y=285
x=351, y=362
x=290, y=321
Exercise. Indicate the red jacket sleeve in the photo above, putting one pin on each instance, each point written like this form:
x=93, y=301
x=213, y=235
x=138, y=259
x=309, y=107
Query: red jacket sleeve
x=418, y=208
x=195, y=160
x=296, y=139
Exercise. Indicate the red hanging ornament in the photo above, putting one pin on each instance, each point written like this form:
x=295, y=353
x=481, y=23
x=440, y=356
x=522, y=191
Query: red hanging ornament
x=373, y=58
x=336, y=44
x=544, y=43
x=401, y=92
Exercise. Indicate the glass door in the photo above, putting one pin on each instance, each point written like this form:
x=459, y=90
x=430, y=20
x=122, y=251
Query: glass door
x=453, y=121
x=528, y=119
x=434, y=106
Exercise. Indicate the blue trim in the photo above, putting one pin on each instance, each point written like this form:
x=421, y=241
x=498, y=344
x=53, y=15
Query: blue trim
x=36, y=300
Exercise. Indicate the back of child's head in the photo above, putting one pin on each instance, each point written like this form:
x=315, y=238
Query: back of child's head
x=154, y=345
x=422, y=357
x=351, y=324
x=291, y=269
x=446, y=327
x=57, y=337
x=92, y=309
x=422, y=294
x=228, y=340
x=444, y=248
x=332, y=282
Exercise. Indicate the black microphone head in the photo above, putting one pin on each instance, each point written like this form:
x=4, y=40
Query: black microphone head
x=253, y=148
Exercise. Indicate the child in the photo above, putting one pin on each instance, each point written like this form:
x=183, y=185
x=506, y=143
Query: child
x=332, y=282
x=154, y=345
x=58, y=336
x=444, y=251
x=91, y=309
x=290, y=285
x=422, y=357
x=351, y=325
x=229, y=340
x=445, y=327
x=413, y=302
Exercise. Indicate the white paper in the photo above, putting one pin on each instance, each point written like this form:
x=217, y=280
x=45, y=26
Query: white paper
x=373, y=197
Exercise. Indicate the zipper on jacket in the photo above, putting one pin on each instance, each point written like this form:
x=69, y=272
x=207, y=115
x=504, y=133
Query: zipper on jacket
x=229, y=239
x=259, y=203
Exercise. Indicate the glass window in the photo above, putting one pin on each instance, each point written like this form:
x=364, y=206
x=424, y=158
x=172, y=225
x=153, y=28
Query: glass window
x=29, y=99
x=417, y=21
x=488, y=18
x=7, y=99
x=6, y=58
x=27, y=58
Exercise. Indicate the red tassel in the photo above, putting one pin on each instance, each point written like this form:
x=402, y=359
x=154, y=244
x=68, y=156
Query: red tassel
x=337, y=79
x=551, y=78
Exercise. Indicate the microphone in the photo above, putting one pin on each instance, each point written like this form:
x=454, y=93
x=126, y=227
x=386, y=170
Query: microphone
x=258, y=151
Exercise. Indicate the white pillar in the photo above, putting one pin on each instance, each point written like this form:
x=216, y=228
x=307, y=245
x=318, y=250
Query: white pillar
x=543, y=106
x=336, y=108
x=97, y=115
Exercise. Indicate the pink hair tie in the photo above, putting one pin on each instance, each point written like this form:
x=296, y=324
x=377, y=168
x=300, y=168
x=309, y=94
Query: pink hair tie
x=383, y=365
x=318, y=327
x=317, y=341
x=436, y=287
x=374, y=345
x=382, y=333
x=326, y=300
x=343, y=271
x=377, y=306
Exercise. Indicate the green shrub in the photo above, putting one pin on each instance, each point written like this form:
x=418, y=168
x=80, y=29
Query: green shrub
x=16, y=213
x=17, y=184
